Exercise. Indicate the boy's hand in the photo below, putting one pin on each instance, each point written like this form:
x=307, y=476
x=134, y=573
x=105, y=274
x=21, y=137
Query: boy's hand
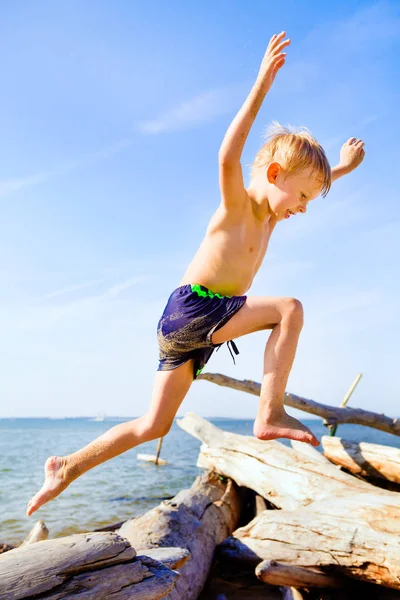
x=351, y=154
x=273, y=60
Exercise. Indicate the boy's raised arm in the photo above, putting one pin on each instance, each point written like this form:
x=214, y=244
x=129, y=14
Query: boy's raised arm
x=231, y=179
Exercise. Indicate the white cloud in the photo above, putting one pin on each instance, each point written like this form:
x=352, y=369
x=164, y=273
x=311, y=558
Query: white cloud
x=83, y=309
x=10, y=186
x=69, y=289
x=117, y=289
x=95, y=157
x=200, y=109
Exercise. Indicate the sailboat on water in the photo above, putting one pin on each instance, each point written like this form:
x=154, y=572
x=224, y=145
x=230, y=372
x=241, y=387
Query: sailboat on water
x=100, y=417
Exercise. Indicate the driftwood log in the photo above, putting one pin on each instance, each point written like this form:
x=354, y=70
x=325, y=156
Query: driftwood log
x=332, y=415
x=181, y=533
x=94, y=566
x=260, y=466
x=196, y=520
x=330, y=520
x=361, y=458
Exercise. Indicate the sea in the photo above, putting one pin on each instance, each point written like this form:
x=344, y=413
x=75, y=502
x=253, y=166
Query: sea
x=120, y=489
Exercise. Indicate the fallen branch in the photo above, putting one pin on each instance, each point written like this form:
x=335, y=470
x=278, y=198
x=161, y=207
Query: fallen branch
x=333, y=415
x=361, y=458
x=277, y=573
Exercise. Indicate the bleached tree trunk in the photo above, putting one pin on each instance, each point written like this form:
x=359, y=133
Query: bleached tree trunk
x=93, y=566
x=361, y=458
x=181, y=533
x=288, y=479
x=330, y=519
x=354, y=534
x=197, y=520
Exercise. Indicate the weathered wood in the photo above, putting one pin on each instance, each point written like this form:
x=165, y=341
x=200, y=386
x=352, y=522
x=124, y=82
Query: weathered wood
x=38, y=533
x=159, y=444
x=145, y=579
x=362, y=458
x=152, y=458
x=173, y=558
x=342, y=524
x=282, y=574
x=354, y=534
x=90, y=565
x=260, y=504
x=196, y=520
x=332, y=414
x=277, y=472
x=309, y=451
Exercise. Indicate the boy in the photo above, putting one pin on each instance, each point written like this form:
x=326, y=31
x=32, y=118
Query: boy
x=209, y=307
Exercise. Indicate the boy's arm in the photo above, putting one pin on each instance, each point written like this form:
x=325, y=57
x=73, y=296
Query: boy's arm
x=351, y=155
x=230, y=171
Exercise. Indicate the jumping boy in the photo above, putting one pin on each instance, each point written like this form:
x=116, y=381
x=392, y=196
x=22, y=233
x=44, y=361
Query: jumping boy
x=209, y=307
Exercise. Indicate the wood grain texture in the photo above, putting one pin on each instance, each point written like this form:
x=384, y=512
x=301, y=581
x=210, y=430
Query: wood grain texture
x=90, y=566
x=196, y=520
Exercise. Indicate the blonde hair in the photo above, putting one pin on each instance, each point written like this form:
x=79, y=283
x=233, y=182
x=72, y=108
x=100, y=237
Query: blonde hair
x=295, y=149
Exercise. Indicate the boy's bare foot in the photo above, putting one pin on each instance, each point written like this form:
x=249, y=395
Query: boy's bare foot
x=283, y=426
x=55, y=482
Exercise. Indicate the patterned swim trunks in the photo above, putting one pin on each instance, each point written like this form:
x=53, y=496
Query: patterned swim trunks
x=192, y=314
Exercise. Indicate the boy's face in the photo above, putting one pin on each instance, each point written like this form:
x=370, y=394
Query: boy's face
x=289, y=195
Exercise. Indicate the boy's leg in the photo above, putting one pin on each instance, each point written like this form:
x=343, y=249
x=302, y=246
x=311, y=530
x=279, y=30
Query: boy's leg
x=170, y=388
x=285, y=317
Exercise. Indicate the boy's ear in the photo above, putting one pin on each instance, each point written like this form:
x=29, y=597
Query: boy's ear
x=273, y=171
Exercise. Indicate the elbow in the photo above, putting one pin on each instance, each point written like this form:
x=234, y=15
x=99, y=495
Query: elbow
x=226, y=159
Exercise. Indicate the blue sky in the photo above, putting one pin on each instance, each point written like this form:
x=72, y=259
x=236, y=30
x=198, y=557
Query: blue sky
x=112, y=114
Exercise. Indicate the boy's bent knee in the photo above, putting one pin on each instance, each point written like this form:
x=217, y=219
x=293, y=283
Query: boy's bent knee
x=293, y=310
x=153, y=429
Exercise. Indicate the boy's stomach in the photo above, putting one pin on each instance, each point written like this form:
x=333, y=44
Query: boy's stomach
x=227, y=276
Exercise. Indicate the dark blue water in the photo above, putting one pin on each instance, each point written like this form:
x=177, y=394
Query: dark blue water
x=119, y=489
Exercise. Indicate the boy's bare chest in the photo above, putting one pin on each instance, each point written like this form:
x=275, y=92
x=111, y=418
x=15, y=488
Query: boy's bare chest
x=246, y=234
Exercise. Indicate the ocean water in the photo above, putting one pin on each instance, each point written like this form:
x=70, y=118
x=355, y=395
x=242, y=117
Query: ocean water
x=119, y=489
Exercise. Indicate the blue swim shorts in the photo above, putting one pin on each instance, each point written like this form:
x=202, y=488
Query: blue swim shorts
x=192, y=314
